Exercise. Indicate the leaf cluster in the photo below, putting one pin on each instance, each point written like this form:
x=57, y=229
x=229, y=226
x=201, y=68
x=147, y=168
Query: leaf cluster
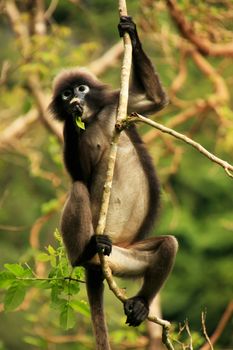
x=62, y=282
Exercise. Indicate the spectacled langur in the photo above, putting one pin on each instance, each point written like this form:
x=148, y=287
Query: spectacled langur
x=134, y=200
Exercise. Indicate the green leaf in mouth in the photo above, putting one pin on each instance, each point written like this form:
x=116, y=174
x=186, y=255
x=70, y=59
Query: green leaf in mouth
x=80, y=124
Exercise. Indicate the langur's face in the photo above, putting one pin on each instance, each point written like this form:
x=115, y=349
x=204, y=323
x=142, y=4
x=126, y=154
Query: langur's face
x=75, y=100
x=78, y=95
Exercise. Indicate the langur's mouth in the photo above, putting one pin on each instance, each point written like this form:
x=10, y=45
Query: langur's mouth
x=76, y=110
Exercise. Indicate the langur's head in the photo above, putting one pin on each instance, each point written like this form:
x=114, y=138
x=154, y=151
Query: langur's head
x=77, y=93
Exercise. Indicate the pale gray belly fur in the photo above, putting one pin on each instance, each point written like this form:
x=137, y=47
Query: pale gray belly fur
x=129, y=196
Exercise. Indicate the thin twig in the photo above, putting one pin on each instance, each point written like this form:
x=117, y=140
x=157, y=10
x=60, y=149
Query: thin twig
x=203, y=319
x=189, y=334
x=31, y=279
x=135, y=117
x=220, y=327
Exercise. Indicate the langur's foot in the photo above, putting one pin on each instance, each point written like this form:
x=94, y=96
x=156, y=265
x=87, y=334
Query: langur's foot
x=136, y=310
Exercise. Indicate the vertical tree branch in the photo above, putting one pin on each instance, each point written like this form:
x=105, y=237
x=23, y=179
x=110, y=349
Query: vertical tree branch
x=121, y=114
x=125, y=70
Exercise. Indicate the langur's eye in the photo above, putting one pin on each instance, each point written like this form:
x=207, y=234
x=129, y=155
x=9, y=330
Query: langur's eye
x=67, y=94
x=83, y=88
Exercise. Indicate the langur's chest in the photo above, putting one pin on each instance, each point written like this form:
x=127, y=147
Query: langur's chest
x=89, y=150
x=89, y=153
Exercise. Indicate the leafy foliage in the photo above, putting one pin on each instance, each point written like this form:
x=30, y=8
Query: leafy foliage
x=62, y=282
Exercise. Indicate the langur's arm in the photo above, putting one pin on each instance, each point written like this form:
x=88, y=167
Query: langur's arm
x=77, y=229
x=146, y=91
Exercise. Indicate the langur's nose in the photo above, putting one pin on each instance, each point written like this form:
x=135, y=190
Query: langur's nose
x=75, y=100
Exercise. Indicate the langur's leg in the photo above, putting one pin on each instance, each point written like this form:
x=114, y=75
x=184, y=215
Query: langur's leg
x=151, y=259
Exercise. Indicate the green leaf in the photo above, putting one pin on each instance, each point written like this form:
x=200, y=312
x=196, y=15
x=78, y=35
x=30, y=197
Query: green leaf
x=72, y=288
x=57, y=236
x=67, y=317
x=81, y=307
x=43, y=257
x=53, y=261
x=55, y=293
x=51, y=250
x=41, y=284
x=14, y=296
x=39, y=343
x=54, y=273
x=79, y=273
x=16, y=269
x=6, y=279
x=80, y=124
x=58, y=304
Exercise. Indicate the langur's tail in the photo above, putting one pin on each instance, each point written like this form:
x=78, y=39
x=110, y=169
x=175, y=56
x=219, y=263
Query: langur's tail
x=95, y=291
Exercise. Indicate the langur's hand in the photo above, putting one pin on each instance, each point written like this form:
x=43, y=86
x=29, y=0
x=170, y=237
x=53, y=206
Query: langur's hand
x=103, y=244
x=126, y=25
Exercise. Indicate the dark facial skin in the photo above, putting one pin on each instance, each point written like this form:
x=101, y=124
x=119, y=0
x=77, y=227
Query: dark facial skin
x=74, y=99
x=79, y=94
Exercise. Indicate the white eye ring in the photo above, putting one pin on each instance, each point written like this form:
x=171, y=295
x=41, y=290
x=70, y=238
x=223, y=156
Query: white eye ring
x=83, y=89
x=67, y=94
